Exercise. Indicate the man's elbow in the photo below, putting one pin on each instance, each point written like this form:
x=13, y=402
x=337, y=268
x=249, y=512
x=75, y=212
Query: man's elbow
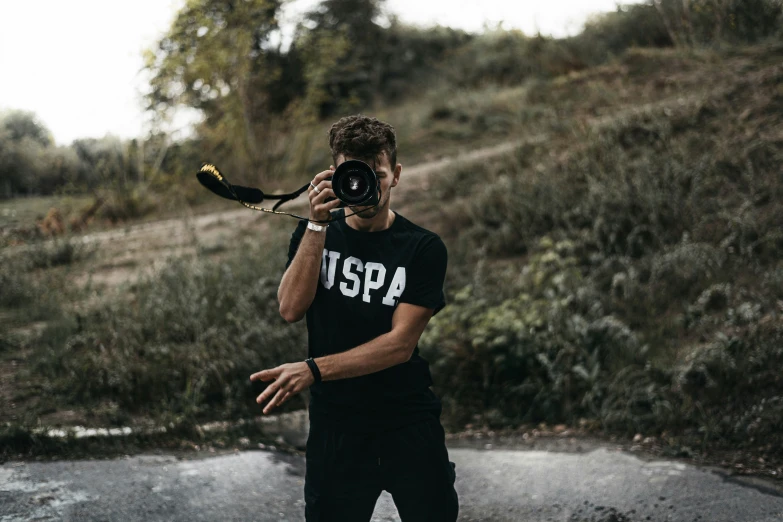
x=406, y=350
x=284, y=307
x=290, y=316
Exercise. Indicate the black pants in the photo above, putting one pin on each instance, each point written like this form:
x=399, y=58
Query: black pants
x=346, y=473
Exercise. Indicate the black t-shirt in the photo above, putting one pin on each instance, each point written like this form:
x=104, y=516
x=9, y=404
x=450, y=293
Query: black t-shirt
x=364, y=275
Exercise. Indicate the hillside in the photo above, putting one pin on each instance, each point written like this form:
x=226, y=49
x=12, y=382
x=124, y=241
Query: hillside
x=614, y=245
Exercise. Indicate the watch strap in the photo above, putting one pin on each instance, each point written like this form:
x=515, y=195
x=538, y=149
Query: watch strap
x=314, y=368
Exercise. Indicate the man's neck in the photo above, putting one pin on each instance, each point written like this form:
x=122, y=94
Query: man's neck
x=382, y=221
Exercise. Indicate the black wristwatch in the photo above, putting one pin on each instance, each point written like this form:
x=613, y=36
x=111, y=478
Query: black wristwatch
x=314, y=368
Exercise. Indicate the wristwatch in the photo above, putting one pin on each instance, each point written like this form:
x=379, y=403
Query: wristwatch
x=317, y=228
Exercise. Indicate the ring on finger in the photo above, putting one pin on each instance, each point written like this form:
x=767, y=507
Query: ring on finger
x=315, y=188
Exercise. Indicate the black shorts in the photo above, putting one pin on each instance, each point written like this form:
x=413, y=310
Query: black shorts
x=346, y=473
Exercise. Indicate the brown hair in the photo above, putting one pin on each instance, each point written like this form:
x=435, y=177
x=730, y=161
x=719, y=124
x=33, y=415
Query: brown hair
x=362, y=137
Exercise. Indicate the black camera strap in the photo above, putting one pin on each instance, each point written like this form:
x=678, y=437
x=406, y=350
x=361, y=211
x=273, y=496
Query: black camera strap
x=209, y=176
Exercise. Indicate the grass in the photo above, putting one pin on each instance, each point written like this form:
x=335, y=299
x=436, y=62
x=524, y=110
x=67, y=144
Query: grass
x=25, y=210
x=625, y=269
x=602, y=250
x=176, y=345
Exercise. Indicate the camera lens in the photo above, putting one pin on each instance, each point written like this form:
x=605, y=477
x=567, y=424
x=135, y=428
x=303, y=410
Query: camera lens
x=355, y=183
x=355, y=187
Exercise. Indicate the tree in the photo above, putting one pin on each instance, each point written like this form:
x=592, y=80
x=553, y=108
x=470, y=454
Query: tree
x=218, y=58
x=30, y=163
x=20, y=124
x=340, y=43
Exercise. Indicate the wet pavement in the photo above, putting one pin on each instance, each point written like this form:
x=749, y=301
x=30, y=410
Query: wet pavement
x=497, y=485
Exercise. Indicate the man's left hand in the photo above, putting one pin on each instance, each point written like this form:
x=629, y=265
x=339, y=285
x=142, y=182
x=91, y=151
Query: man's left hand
x=289, y=379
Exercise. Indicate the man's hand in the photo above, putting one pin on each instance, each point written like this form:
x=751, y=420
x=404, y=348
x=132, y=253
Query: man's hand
x=319, y=210
x=289, y=379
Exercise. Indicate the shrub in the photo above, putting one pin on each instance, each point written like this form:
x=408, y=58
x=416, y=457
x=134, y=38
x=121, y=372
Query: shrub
x=541, y=356
x=128, y=202
x=183, y=345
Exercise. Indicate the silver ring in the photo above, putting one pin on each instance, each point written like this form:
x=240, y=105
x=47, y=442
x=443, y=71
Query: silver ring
x=315, y=188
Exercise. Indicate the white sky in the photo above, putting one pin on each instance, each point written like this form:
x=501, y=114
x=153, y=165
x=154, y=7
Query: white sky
x=77, y=63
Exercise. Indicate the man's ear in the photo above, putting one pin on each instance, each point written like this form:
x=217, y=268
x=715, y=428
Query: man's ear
x=396, y=175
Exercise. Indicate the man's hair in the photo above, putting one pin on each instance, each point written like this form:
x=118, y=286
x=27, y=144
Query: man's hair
x=364, y=138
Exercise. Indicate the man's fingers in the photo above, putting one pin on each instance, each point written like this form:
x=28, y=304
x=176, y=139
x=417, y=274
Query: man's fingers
x=259, y=376
x=319, y=178
x=275, y=401
x=332, y=204
x=323, y=188
x=266, y=393
x=320, y=198
x=280, y=384
x=265, y=375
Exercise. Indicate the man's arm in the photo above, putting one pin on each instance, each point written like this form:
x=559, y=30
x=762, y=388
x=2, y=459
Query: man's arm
x=385, y=351
x=300, y=280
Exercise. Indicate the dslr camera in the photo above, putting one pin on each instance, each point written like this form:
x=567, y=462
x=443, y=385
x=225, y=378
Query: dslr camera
x=355, y=184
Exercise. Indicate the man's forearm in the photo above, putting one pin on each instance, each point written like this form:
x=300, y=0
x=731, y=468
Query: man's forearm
x=383, y=352
x=300, y=281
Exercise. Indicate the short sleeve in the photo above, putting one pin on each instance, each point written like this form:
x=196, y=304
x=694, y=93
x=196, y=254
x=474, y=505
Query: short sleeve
x=296, y=237
x=426, y=275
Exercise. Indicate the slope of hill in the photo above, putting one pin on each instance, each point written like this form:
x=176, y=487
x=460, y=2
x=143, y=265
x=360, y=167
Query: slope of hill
x=614, y=261
x=629, y=270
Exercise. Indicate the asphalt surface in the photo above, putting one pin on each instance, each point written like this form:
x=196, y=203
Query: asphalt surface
x=502, y=485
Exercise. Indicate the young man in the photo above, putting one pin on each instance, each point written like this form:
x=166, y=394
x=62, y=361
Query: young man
x=368, y=285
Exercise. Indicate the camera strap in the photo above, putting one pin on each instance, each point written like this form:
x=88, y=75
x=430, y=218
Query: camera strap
x=210, y=177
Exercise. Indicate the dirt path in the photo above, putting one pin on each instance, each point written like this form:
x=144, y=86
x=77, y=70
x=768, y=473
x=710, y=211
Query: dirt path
x=125, y=253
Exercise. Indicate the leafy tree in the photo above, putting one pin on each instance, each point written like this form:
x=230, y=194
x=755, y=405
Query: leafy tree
x=218, y=57
x=21, y=124
x=340, y=43
x=106, y=162
x=29, y=161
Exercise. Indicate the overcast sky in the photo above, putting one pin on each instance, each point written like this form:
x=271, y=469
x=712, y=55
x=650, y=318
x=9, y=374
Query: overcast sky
x=76, y=63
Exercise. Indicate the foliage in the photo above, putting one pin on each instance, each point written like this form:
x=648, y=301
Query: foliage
x=634, y=279
x=338, y=42
x=622, y=264
x=30, y=292
x=218, y=58
x=29, y=161
x=610, y=34
x=182, y=347
x=546, y=354
x=693, y=22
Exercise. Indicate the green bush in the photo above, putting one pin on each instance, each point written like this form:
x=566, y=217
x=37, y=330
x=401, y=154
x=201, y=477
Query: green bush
x=544, y=355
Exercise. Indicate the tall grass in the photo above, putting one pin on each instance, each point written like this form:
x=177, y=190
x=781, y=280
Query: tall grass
x=178, y=345
x=633, y=278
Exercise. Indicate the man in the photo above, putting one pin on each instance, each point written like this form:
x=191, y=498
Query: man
x=368, y=286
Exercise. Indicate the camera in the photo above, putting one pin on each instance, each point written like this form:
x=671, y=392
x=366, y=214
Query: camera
x=355, y=184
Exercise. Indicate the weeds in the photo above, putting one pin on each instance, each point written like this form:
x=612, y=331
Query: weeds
x=181, y=345
x=640, y=271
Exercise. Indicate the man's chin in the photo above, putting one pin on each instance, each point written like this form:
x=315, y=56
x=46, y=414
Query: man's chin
x=365, y=212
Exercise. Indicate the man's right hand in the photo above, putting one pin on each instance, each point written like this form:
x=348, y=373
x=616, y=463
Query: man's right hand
x=319, y=211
